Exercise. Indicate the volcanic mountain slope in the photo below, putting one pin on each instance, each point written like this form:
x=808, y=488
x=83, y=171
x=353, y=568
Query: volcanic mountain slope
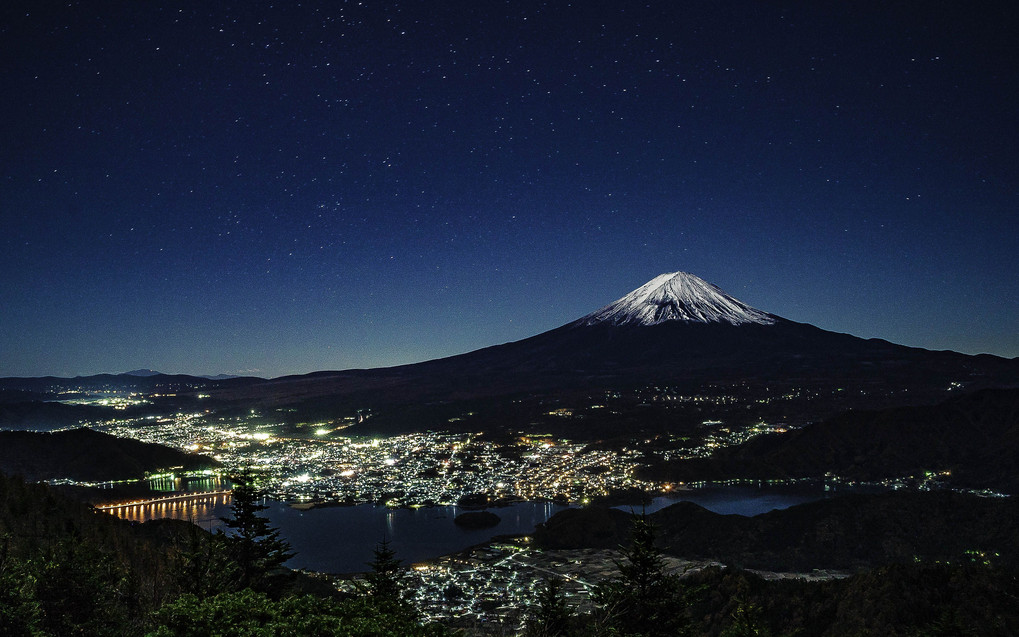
x=677, y=296
x=677, y=330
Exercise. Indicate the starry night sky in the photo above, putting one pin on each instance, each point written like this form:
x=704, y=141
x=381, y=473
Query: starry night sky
x=274, y=188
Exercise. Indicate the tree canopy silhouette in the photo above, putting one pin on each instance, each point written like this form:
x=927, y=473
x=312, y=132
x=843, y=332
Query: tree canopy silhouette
x=255, y=546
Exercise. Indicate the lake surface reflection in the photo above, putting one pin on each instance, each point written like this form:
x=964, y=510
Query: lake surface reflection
x=341, y=539
x=748, y=501
x=204, y=511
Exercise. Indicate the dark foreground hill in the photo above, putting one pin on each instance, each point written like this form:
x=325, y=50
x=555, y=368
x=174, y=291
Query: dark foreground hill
x=900, y=600
x=88, y=455
x=67, y=569
x=974, y=437
x=846, y=532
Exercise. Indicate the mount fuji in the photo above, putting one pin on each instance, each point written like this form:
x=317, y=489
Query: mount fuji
x=677, y=296
x=675, y=331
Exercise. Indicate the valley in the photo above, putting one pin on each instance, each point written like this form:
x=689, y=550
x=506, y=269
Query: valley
x=669, y=392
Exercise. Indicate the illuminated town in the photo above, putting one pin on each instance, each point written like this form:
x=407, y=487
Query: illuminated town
x=425, y=469
x=485, y=589
x=318, y=463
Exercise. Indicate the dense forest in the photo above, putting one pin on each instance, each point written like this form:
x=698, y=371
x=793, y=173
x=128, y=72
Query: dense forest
x=971, y=596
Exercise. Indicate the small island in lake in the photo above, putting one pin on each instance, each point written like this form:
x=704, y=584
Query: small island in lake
x=477, y=520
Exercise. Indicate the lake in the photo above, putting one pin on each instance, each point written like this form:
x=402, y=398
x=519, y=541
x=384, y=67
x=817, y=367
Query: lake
x=748, y=501
x=341, y=539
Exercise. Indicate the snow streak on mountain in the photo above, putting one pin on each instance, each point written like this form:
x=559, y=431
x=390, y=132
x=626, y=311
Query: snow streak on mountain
x=677, y=296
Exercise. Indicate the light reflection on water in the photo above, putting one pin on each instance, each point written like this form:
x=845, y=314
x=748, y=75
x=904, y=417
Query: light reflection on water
x=341, y=539
x=204, y=511
x=739, y=500
x=176, y=484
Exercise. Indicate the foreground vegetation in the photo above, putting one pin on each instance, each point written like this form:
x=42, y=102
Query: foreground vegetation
x=66, y=569
x=918, y=599
x=850, y=532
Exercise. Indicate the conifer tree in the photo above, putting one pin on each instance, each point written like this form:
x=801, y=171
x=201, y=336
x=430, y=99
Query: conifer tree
x=644, y=600
x=551, y=615
x=254, y=545
x=384, y=577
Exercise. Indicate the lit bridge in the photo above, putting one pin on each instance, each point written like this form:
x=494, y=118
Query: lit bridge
x=188, y=496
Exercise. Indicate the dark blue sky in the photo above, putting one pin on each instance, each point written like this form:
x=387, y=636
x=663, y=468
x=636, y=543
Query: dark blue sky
x=277, y=188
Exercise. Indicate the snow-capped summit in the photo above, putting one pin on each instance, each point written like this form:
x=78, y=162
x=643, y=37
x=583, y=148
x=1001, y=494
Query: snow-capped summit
x=677, y=296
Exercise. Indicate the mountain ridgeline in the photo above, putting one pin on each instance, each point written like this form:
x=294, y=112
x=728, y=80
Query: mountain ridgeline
x=676, y=355
x=676, y=331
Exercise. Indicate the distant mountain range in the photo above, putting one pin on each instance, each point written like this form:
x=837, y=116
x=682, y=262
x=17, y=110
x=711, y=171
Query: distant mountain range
x=149, y=372
x=675, y=331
